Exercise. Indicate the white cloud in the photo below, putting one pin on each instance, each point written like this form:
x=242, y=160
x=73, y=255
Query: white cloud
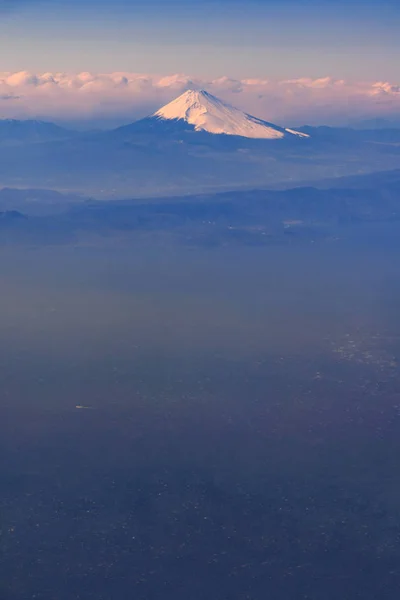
x=127, y=96
x=381, y=88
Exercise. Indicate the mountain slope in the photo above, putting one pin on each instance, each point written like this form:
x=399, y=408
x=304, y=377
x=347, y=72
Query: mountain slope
x=207, y=113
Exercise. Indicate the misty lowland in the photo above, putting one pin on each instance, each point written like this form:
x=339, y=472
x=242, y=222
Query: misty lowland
x=199, y=358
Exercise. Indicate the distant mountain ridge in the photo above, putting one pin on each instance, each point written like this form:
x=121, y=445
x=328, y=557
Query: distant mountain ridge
x=347, y=134
x=31, y=130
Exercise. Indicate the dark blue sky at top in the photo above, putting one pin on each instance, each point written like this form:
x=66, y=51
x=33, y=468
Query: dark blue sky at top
x=288, y=38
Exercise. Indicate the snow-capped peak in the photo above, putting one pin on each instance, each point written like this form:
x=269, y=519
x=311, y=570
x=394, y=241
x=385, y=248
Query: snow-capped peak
x=207, y=113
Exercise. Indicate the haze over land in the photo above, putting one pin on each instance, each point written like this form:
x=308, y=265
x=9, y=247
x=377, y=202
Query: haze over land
x=242, y=428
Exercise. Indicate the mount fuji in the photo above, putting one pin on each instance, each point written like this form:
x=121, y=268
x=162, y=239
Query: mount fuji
x=202, y=112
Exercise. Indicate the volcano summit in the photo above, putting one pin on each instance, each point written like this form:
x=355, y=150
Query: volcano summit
x=207, y=113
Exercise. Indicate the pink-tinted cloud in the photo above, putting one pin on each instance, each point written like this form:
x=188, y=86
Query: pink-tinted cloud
x=127, y=96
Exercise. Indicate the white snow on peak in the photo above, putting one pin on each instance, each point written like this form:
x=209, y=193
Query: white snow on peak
x=298, y=133
x=207, y=113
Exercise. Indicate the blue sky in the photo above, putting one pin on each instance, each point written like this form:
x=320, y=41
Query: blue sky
x=239, y=38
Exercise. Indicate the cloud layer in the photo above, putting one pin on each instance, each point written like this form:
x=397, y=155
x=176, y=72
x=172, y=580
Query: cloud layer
x=122, y=97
